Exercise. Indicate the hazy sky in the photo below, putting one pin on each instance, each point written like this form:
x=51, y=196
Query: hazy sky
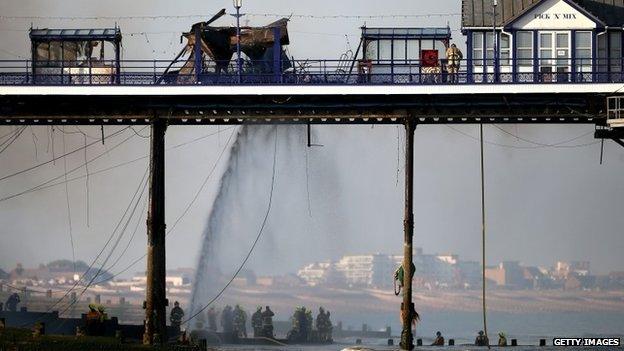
x=544, y=203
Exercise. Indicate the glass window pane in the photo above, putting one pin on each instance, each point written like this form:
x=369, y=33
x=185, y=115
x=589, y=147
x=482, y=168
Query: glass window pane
x=477, y=57
x=385, y=49
x=477, y=40
x=399, y=50
x=615, y=39
x=583, y=39
x=525, y=39
x=489, y=40
x=413, y=51
x=504, y=43
x=602, y=43
x=545, y=54
x=525, y=57
x=545, y=40
x=371, y=51
x=583, y=53
x=562, y=40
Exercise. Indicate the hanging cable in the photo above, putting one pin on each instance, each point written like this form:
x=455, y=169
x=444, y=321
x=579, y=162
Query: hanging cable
x=142, y=185
x=187, y=208
x=69, y=172
x=12, y=139
x=483, y=235
x=531, y=147
x=46, y=184
x=56, y=158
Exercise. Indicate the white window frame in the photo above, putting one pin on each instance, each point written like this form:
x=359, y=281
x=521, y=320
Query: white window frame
x=525, y=67
x=580, y=64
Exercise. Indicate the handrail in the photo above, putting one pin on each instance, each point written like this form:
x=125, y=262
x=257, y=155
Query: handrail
x=310, y=72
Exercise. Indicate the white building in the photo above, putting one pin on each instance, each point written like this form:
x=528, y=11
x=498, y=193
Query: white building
x=374, y=270
x=543, y=40
x=315, y=273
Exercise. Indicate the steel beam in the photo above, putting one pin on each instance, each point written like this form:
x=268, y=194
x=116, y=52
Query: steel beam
x=156, y=300
x=407, y=339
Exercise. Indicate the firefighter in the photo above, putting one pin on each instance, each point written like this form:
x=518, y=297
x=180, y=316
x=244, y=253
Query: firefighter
x=176, y=316
x=329, y=328
x=239, y=322
x=256, y=322
x=212, y=319
x=227, y=320
x=321, y=324
x=267, y=322
x=453, y=57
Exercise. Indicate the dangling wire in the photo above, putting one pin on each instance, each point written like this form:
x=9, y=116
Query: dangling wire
x=483, y=235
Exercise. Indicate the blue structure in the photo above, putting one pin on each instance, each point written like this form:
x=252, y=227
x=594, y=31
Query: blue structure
x=544, y=41
x=515, y=42
x=395, y=55
x=68, y=56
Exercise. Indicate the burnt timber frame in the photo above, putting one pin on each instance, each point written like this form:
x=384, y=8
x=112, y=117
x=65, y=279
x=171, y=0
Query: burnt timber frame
x=408, y=110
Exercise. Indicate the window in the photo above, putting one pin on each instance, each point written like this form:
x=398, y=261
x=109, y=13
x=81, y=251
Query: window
x=562, y=49
x=545, y=49
x=489, y=48
x=371, y=50
x=583, y=47
x=477, y=49
x=385, y=49
x=413, y=49
x=524, y=49
x=505, y=49
x=602, y=53
x=398, y=50
x=615, y=51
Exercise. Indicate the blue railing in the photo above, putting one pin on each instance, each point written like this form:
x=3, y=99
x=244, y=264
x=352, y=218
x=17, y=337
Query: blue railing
x=310, y=72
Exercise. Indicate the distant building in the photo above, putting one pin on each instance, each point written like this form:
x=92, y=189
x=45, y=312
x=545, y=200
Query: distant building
x=57, y=272
x=315, y=273
x=367, y=270
x=508, y=274
x=469, y=274
x=616, y=280
x=577, y=282
x=177, y=278
x=377, y=271
x=562, y=268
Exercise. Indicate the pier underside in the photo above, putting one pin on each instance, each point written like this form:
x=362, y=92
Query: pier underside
x=37, y=109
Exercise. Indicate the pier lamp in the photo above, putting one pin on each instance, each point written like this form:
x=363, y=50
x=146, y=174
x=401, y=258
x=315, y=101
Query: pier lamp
x=239, y=66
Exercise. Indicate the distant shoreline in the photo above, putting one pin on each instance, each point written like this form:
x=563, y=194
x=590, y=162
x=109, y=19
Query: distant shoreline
x=375, y=300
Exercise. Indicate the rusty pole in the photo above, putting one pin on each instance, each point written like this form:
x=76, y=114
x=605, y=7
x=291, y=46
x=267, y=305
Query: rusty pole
x=407, y=339
x=156, y=300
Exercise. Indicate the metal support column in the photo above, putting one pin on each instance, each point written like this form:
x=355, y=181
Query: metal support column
x=407, y=307
x=156, y=299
